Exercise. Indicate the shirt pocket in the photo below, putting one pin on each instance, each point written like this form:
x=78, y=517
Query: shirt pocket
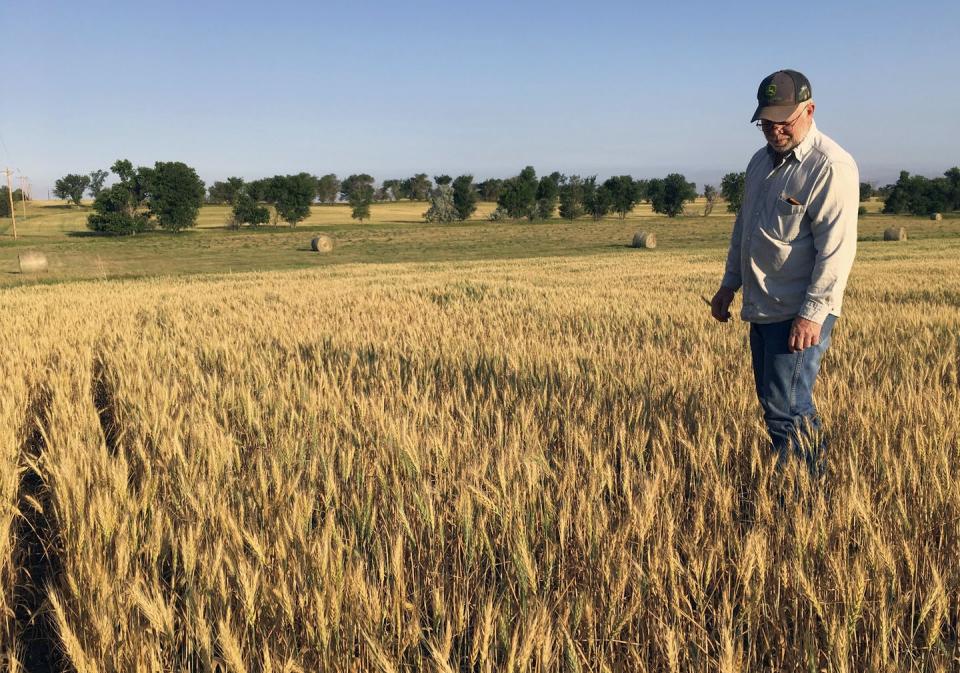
x=789, y=220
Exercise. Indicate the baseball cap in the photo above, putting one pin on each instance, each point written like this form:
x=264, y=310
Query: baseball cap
x=780, y=95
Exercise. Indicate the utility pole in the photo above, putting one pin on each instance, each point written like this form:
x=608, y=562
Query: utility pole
x=13, y=215
x=24, y=186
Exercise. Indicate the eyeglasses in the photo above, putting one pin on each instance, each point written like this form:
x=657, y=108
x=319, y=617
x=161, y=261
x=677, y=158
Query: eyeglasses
x=767, y=125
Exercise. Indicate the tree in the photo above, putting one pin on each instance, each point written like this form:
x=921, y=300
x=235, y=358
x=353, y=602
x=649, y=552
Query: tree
x=490, y=189
x=442, y=179
x=354, y=182
x=97, y=178
x=464, y=196
x=176, y=194
x=597, y=200
x=417, y=188
x=623, y=194
x=442, y=207
x=710, y=194
x=731, y=186
x=952, y=178
x=518, y=196
x=866, y=191
x=257, y=189
x=392, y=189
x=225, y=192
x=918, y=195
x=136, y=180
x=358, y=191
x=120, y=209
x=247, y=211
x=72, y=187
x=292, y=195
x=547, y=190
x=671, y=193
x=327, y=188
x=5, y=200
x=571, y=197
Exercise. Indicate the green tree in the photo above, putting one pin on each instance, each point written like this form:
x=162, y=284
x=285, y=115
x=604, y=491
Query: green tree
x=671, y=193
x=442, y=207
x=866, y=191
x=571, y=197
x=225, y=192
x=392, y=189
x=328, y=187
x=97, y=178
x=518, y=196
x=731, y=186
x=490, y=189
x=623, y=194
x=417, y=188
x=597, y=200
x=71, y=187
x=175, y=195
x=292, y=195
x=358, y=190
x=258, y=189
x=547, y=190
x=464, y=196
x=710, y=195
x=952, y=177
x=442, y=179
x=5, y=200
x=918, y=195
x=247, y=211
x=354, y=182
x=114, y=212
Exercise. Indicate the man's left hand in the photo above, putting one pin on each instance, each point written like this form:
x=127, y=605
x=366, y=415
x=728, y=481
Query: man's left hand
x=803, y=334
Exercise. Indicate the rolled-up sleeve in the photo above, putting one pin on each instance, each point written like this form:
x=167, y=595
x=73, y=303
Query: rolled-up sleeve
x=833, y=222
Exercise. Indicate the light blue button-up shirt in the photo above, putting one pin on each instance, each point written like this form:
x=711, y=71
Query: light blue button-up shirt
x=795, y=236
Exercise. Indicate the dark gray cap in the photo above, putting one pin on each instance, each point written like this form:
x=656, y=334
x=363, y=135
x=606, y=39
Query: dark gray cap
x=781, y=94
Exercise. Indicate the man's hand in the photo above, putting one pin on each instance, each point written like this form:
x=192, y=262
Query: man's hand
x=720, y=304
x=803, y=334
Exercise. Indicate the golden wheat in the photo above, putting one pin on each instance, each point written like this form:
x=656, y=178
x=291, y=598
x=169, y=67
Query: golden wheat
x=541, y=465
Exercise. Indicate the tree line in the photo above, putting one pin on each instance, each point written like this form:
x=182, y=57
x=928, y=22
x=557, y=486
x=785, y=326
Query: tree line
x=169, y=195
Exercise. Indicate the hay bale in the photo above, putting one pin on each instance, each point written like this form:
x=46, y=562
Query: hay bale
x=33, y=262
x=895, y=234
x=936, y=217
x=322, y=244
x=644, y=239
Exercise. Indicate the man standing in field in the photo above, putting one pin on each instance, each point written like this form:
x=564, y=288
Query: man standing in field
x=791, y=251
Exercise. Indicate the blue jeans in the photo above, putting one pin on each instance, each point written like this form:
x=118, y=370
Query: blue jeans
x=784, y=383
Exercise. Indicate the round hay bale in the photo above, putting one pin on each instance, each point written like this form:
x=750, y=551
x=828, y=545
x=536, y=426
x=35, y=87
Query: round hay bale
x=33, y=262
x=644, y=239
x=936, y=216
x=322, y=244
x=895, y=234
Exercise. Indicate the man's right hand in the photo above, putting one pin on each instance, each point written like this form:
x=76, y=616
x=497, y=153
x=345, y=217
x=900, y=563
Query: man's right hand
x=720, y=304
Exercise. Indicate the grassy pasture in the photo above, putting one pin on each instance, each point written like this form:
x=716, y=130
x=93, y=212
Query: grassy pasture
x=395, y=233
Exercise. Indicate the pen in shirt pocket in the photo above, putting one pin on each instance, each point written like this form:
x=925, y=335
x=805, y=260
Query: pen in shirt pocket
x=789, y=199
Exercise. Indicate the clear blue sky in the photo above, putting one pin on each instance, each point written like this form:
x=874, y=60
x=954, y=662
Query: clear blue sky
x=391, y=88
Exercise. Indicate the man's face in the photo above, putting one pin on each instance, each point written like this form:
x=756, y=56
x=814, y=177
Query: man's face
x=784, y=137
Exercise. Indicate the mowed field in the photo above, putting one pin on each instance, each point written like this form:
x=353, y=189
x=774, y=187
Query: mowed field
x=535, y=452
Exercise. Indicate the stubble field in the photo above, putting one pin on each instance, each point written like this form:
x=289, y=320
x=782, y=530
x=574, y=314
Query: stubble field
x=550, y=464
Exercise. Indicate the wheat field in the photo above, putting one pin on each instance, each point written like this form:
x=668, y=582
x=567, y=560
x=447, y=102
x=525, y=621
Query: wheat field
x=533, y=465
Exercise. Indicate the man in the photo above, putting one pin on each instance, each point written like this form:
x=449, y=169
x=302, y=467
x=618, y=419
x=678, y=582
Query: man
x=791, y=251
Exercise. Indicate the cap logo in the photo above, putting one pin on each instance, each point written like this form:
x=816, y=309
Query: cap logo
x=771, y=91
x=804, y=92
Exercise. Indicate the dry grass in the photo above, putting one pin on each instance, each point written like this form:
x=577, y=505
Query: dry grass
x=546, y=465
